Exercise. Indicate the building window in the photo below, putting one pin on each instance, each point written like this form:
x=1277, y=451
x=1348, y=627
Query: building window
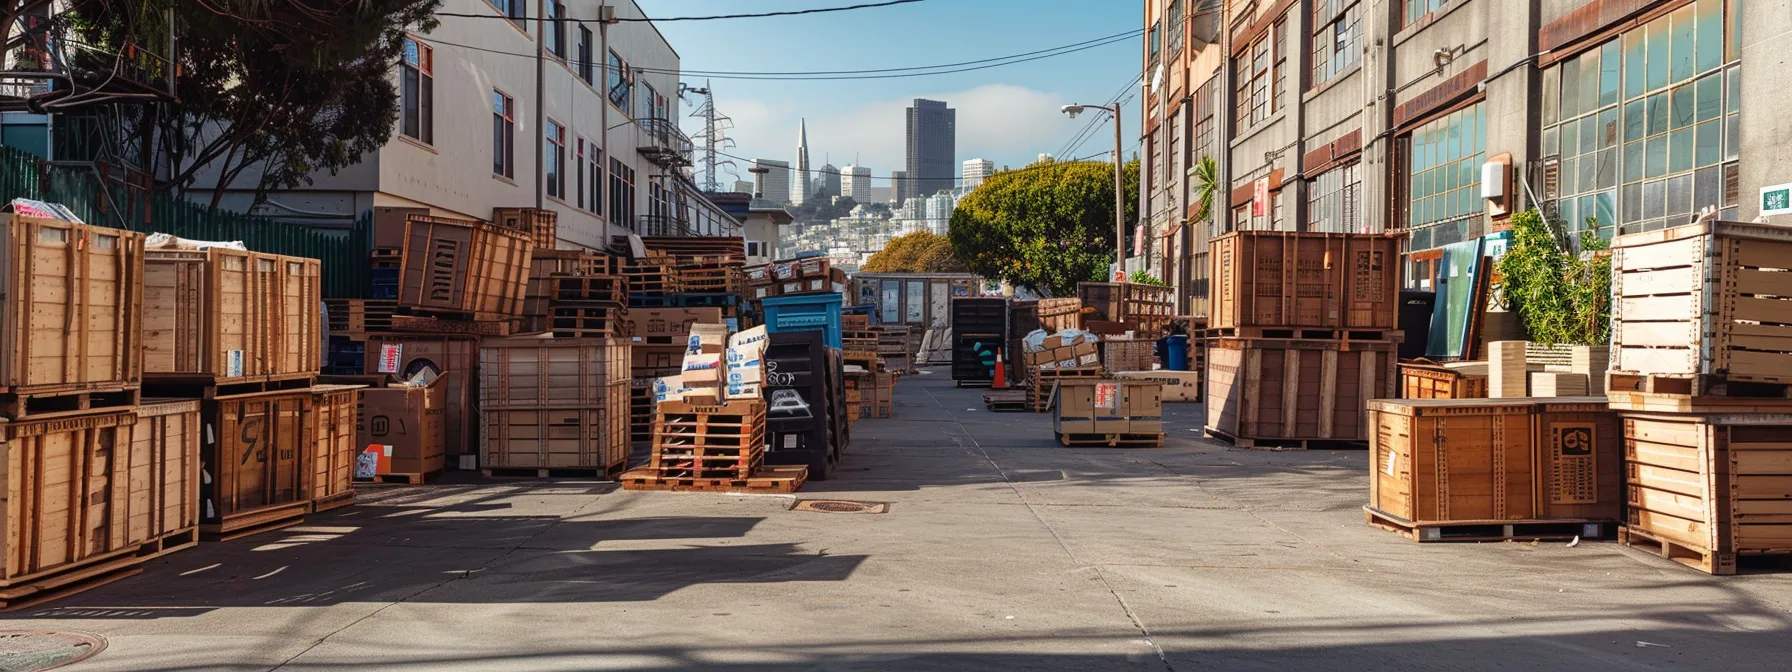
x=622, y=194
x=659, y=201
x=1338, y=29
x=649, y=102
x=1417, y=9
x=553, y=157
x=594, y=166
x=1332, y=201
x=1260, y=75
x=503, y=135
x=1641, y=133
x=1174, y=21
x=418, y=92
x=578, y=163
x=586, y=66
x=620, y=83
x=1443, y=199
x=517, y=10
x=556, y=30
x=1156, y=41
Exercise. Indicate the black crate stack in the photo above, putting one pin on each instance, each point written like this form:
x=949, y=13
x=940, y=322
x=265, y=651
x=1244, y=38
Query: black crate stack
x=979, y=333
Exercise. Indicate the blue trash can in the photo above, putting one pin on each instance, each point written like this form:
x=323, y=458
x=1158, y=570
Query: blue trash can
x=1176, y=352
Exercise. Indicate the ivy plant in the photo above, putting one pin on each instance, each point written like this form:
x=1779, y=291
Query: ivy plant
x=1562, y=298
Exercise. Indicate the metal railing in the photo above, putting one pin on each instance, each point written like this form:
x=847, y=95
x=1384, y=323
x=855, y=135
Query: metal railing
x=662, y=226
x=661, y=141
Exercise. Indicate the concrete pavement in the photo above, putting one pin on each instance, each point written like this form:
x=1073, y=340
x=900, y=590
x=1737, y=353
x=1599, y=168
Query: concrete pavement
x=1001, y=550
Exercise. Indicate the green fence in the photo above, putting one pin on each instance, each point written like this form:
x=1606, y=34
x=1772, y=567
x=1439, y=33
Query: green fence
x=343, y=251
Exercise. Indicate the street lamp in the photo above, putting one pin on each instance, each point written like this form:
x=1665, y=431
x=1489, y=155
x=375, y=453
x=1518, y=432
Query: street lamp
x=1072, y=110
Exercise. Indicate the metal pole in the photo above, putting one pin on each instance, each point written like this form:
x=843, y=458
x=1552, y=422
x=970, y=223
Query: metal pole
x=1119, y=199
x=541, y=38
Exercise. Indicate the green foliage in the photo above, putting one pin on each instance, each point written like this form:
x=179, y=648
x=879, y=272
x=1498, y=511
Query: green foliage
x=918, y=252
x=1206, y=181
x=277, y=90
x=1561, y=297
x=1143, y=278
x=1046, y=227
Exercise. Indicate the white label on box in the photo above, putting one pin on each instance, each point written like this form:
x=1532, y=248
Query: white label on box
x=1392, y=458
x=233, y=366
x=391, y=354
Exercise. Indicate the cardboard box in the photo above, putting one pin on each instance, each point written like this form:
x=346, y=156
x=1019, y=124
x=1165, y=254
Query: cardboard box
x=1101, y=406
x=668, y=388
x=745, y=363
x=645, y=356
x=400, y=429
x=669, y=324
x=1178, y=386
x=786, y=270
x=766, y=291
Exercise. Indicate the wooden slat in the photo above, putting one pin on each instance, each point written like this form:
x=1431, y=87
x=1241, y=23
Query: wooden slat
x=1759, y=282
x=1663, y=281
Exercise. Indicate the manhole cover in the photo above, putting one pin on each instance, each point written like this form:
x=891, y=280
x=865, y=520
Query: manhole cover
x=839, y=506
x=32, y=650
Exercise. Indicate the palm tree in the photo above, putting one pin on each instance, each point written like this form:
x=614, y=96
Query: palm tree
x=1205, y=177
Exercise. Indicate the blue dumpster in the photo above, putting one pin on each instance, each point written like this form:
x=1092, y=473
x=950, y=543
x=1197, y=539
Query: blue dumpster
x=805, y=312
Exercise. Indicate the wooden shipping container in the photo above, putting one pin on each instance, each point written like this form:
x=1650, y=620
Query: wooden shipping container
x=229, y=316
x=1143, y=308
x=164, y=466
x=332, y=445
x=1289, y=280
x=537, y=373
x=1442, y=462
x=1460, y=380
x=1282, y=390
x=253, y=457
x=1703, y=303
x=541, y=224
x=71, y=298
x=456, y=359
x=464, y=268
x=584, y=439
x=1704, y=490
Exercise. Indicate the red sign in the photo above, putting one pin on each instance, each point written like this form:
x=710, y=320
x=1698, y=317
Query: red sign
x=1106, y=394
x=1260, y=197
x=391, y=355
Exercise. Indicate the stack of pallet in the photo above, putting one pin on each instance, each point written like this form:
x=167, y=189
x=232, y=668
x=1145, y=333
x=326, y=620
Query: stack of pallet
x=657, y=345
x=1701, y=374
x=692, y=273
x=99, y=480
x=979, y=333
x=1061, y=359
x=795, y=277
x=574, y=294
x=1303, y=332
x=239, y=331
x=894, y=348
x=554, y=406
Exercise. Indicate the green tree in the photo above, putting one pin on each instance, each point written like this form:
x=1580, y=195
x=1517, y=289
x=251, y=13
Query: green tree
x=281, y=88
x=1561, y=297
x=918, y=252
x=1046, y=227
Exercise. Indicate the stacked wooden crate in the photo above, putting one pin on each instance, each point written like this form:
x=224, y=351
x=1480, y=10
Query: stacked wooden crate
x=1119, y=307
x=1061, y=359
x=461, y=276
x=1302, y=334
x=694, y=272
x=574, y=294
x=554, y=406
x=794, y=277
x=1701, y=374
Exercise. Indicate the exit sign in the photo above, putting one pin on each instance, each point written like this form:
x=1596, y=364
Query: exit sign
x=1776, y=200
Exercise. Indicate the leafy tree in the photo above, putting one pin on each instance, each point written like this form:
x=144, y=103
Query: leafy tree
x=284, y=88
x=1045, y=227
x=1207, y=187
x=918, y=252
x=1143, y=278
x=1561, y=297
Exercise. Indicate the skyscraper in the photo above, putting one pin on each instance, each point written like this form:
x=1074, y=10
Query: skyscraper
x=800, y=177
x=773, y=184
x=827, y=182
x=898, y=186
x=975, y=170
x=932, y=147
x=855, y=183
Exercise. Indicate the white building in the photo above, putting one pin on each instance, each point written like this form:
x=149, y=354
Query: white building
x=771, y=180
x=475, y=133
x=975, y=170
x=742, y=187
x=855, y=183
x=939, y=212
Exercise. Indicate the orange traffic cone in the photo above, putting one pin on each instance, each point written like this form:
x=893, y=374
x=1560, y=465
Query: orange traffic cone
x=1001, y=381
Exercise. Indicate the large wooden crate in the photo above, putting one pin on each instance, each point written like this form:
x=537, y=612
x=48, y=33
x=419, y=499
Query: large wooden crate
x=541, y=224
x=1145, y=308
x=1702, y=305
x=253, y=456
x=1438, y=463
x=1289, y=280
x=1705, y=490
x=1463, y=380
x=332, y=445
x=1282, y=390
x=230, y=316
x=464, y=268
x=456, y=359
x=70, y=307
x=582, y=439
x=538, y=373
x=164, y=467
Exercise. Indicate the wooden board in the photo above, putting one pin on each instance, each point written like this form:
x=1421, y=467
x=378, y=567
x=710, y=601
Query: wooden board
x=251, y=453
x=70, y=306
x=596, y=438
x=779, y=479
x=536, y=373
x=229, y=315
x=1713, y=298
x=1304, y=280
x=1260, y=389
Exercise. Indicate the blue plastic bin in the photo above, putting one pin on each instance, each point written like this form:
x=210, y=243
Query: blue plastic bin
x=1176, y=352
x=805, y=312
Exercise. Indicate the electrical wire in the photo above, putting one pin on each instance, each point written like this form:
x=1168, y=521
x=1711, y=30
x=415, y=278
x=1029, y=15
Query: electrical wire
x=959, y=179
x=1125, y=34
x=761, y=15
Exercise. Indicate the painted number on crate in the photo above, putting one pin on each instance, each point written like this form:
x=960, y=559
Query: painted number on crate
x=249, y=434
x=1368, y=275
x=1573, y=463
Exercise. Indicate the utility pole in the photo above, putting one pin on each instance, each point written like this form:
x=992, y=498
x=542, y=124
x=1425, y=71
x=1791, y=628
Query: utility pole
x=541, y=35
x=713, y=136
x=1119, y=203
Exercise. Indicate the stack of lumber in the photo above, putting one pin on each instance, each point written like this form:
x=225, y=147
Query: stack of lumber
x=1303, y=333
x=1701, y=376
x=554, y=406
x=692, y=272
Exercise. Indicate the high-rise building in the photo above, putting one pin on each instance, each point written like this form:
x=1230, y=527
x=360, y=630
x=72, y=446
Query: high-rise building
x=939, y=212
x=855, y=183
x=827, y=181
x=742, y=187
x=898, y=186
x=771, y=180
x=975, y=170
x=800, y=179
x=932, y=147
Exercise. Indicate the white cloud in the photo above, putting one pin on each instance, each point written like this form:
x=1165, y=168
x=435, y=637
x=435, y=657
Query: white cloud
x=1004, y=123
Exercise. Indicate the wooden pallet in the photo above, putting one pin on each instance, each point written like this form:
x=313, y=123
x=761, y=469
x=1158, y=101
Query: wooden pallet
x=265, y=519
x=406, y=479
x=1695, y=393
x=1007, y=401
x=586, y=321
x=428, y=324
x=1490, y=530
x=359, y=316
x=593, y=289
x=1276, y=444
x=335, y=501
x=1112, y=440
x=52, y=403
x=208, y=388
x=780, y=479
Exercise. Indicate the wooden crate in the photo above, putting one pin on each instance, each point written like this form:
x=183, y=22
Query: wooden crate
x=253, y=455
x=164, y=468
x=1439, y=465
x=1144, y=308
x=1284, y=279
x=455, y=358
x=359, y=316
x=588, y=441
x=1463, y=380
x=229, y=316
x=1120, y=354
x=464, y=269
x=1292, y=391
x=331, y=445
x=536, y=373
x=1060, y=314
x=541, y=224
x=70, y=307
x=708, y=440
x=1706, y=490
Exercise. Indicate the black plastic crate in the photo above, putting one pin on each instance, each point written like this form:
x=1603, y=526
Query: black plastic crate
x=384, y=283
x=974, y=356
x=805, y=398
x=980, y=316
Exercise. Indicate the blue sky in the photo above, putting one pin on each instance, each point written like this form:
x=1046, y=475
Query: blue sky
x=1006, y=114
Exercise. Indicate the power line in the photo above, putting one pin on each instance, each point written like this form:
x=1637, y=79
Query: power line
x=761, y=15
x=959, y=179
x=1126, y=34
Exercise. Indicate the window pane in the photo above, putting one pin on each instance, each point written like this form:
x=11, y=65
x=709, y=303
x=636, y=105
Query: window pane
x=1711, y=34
x=1586, y=208
x=1632, y=202
x=1549, y=142
x=1658, y=53
x=1633, y=161
x=1569, y=212
x=1731, y=132
x=1710, y=97
x=1680, y=150
x=1608, y=168
x=1604, y=210
x=1652, y=198
x=1707, y=188
x=1570, y=139
x=1608, y=128
x=1733, y=82
x=1679, y=196
x=1681, y=108
x=1588, y=172
x=1589, y=134
x=1552, y=90
x=1684, y=29
x=1571, y=176
x=1608, y=74
x=1655, y=157
x=1709, y=143
x=1479, y=136
x=1570, y=88
x=1633, y=64
x=1658, y=113
x=1633, y=121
